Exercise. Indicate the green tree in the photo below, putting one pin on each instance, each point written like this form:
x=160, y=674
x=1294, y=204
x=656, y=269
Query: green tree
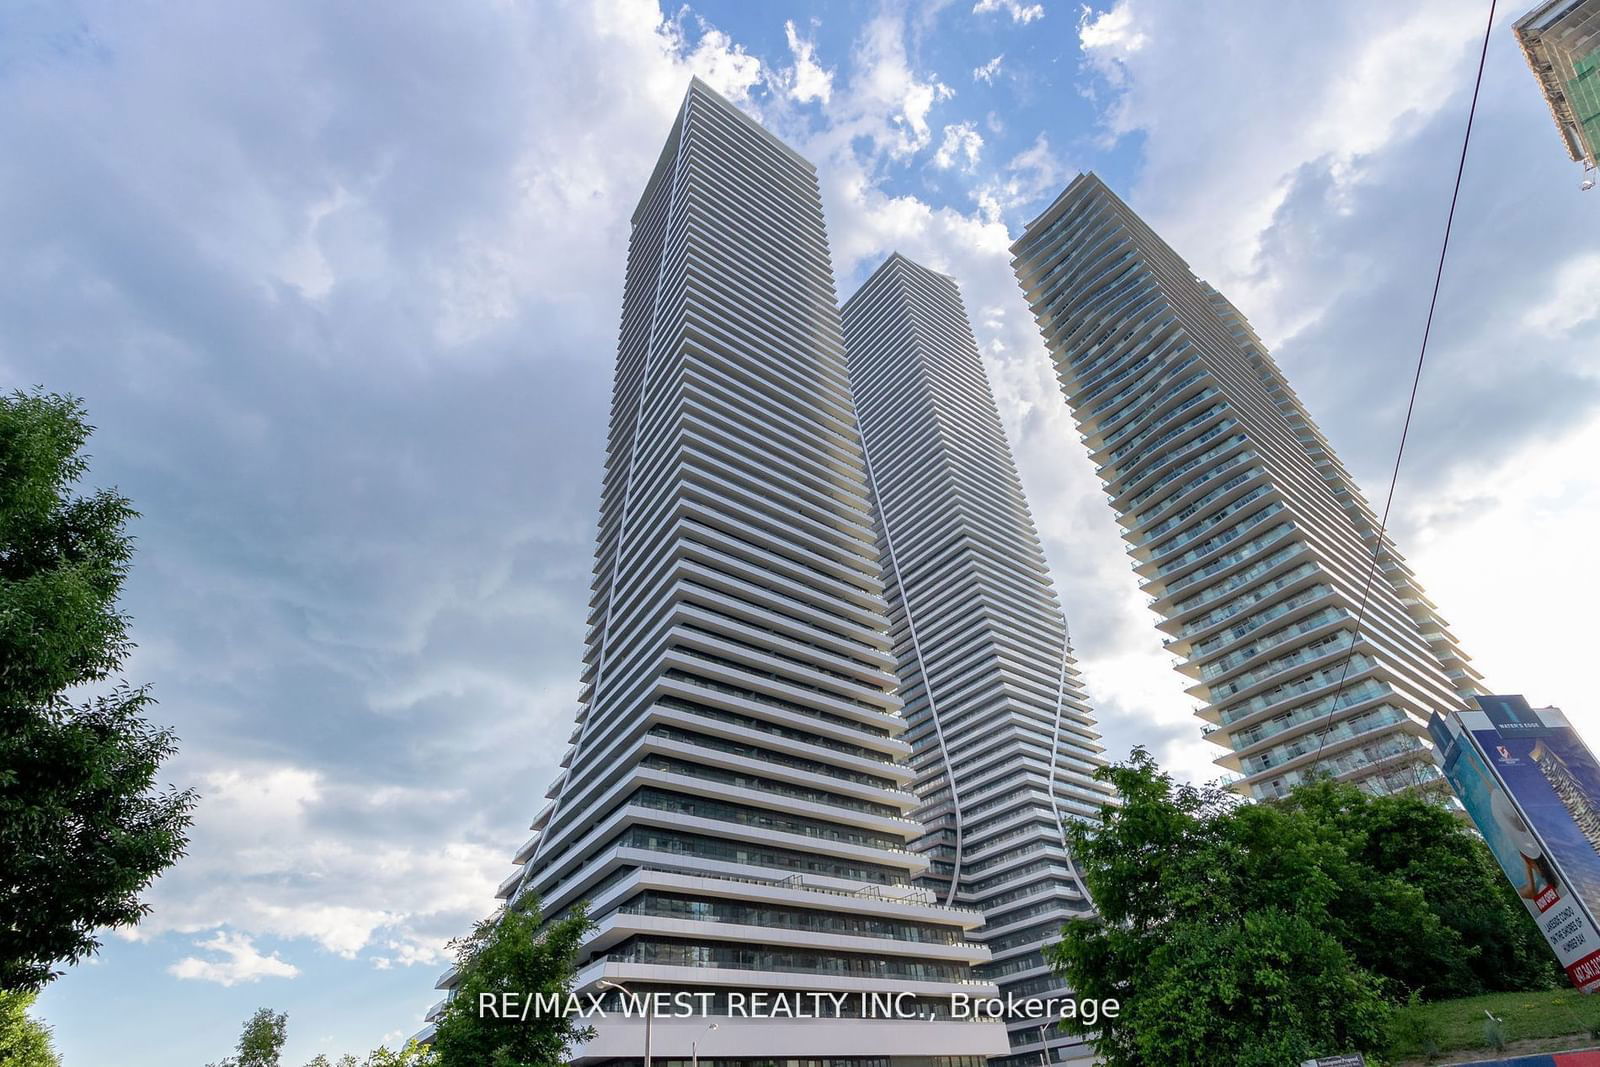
x=1267, y=990
x=83, y=828
x=412, y=1055
x=1214, y=932
x=1495, y=945
x=514, y=952
x=1381, y=921
x=1269, y=933
x=261, y=1040
x=24, y=1040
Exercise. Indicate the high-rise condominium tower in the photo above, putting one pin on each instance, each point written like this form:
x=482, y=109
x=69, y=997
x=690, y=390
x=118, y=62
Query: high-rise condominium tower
x=734, y=806
x=1249, y=536
x=1005, y=743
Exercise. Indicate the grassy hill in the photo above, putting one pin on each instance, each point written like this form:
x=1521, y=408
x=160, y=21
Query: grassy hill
x=1457, y=1026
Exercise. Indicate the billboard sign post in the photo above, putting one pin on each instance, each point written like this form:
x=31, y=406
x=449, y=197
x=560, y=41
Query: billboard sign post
x=1532, y=787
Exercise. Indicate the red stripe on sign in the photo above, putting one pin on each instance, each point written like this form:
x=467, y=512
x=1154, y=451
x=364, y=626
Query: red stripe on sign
x=1587, y=1058
x=1585, y=973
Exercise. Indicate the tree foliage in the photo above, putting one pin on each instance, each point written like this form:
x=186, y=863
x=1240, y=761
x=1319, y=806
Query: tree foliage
x=514, y=952
x=83, y=829
x=261, y=1040
x=1270, y=933
x=1493, y=946
x=411, y=1055
x=24, y=1040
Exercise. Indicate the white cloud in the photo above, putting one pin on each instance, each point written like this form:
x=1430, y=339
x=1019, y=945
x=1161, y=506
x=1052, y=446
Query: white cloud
x=284, y=852
x=1512, y=615
x=889, y=101
x=1030, y=174
x=341, y=929
x=1369, y=77
x=239, y=962
x=305, y=265
x=1018, y=11
x=1111, y=36
x=962, y=145
x=722, y=63
x=988, y=71
x=278, y=796
x=807, y=79
x=1574, y=297
x=1038, y=167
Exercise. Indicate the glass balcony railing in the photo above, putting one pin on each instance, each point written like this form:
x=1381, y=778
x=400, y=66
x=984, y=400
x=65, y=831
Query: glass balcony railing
x=1337, y=766
x=1305, y=654
x=1364, y=690
x=1248, y=600
x=1363, y=723
x=1243, y=552
x=1245, y=627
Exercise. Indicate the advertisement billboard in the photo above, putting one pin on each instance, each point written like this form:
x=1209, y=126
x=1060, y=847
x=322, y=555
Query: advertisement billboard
x=1554, y=778
x=1516, y=798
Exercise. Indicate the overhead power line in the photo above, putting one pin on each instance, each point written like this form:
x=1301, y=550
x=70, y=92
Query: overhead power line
x=1416, y=380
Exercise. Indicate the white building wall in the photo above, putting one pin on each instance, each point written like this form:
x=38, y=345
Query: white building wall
x=1006, y=744
x=734, y=805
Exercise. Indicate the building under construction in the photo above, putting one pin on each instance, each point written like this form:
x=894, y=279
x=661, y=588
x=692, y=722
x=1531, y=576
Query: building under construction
x=1561, y=40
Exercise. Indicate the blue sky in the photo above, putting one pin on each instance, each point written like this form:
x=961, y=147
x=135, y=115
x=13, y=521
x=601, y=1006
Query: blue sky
x=340, y=291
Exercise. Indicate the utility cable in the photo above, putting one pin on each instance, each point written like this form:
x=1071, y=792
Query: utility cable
x=1422, y=355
